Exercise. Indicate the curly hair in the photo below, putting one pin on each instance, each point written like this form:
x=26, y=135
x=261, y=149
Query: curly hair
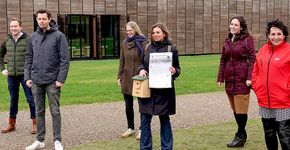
x=277, y=24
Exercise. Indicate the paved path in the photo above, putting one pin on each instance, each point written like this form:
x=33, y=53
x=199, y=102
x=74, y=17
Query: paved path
x=89, y=123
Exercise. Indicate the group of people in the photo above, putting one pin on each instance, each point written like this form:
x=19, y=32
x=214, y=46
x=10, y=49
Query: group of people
x=134, y=60
x=268, y=74
x=40, y=63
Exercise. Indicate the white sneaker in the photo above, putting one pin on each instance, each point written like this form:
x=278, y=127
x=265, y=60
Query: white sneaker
x=36, y=145
x=128, y=133
x=138, y=136
x=57, y=145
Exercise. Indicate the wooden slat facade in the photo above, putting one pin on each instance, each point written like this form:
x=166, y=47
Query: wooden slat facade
x=197, y=26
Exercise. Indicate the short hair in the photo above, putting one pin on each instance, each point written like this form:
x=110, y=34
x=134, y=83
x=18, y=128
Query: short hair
x=44, y=11
x=164, y=29
x=278, y=24
x=16, y=19
x=134, y=26
x=243, y=24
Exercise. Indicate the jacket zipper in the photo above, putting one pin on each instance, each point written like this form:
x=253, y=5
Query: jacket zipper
x=267, y=84
x=14, y=68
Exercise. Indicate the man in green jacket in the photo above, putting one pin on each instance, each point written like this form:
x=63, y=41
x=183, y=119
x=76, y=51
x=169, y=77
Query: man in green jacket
x=14, y=47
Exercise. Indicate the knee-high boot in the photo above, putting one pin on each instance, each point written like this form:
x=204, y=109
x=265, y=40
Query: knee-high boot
x=284, y=134
x=270, y=129
x=241, y=135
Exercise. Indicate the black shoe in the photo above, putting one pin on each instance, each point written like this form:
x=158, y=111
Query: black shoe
x=238, y=141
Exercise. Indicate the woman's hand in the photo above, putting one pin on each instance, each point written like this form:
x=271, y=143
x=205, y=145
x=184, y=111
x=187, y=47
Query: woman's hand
x=219, y=84
x=119, y=82
x=249, y=83
x=172, y=70
x=143, y=73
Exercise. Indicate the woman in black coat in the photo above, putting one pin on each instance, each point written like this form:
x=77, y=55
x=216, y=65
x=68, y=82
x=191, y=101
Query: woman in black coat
x=162, y=101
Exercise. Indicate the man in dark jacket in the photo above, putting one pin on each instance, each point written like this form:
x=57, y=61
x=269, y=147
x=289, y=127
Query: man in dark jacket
x=46, y=68
x=14, y=47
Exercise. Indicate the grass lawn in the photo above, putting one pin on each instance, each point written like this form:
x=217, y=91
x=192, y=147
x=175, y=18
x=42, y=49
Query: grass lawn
x=96, y=81
x=205, y=137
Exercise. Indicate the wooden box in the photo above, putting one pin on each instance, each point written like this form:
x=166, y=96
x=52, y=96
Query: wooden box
x=141, y=87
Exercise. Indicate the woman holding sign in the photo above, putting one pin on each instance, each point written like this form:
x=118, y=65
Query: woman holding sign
x=162, y=101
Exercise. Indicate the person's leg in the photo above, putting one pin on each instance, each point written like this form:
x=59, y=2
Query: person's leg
x=53, y=94
x=38, y=92
x=270, y=130
x=166, y=133
x=284, y=134
x=13, y=87
x=30, y=101
x=146, y=135
x=129, y=110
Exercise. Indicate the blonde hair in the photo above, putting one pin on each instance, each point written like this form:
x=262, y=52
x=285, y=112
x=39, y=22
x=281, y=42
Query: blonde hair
x=15, y=19
x=134, y=26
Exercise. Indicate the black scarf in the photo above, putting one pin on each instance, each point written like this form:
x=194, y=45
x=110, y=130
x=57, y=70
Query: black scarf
x=138, y=39
x=160, y=44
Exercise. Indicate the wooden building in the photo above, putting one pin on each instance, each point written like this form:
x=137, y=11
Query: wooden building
x=95, y=28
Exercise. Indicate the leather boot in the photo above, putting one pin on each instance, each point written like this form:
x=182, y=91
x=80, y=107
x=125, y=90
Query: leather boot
x=239, y=140
x=284, y=134
x=33, y=130
x=11, y=126
x=270, y=129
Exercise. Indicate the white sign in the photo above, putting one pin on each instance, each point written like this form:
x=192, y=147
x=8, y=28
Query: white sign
x=159, y=74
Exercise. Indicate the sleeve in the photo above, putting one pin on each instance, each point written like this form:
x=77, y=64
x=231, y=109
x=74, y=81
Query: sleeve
x=251, y=56
x=64, y=58
x=28, y=60
x=3, y=52
x=122, y=60
x=255, y=73
x=176, y=63
x=220, y=76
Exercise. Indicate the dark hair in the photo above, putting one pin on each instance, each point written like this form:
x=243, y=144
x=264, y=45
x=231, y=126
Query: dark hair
x=243, y=24
x=278, y=24
x=164, y=29
x=44, y=11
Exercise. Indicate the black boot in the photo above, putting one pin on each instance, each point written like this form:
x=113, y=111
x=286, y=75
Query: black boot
x=270, y=129
x=241, y=135
x=239, y=140
x=284, y=134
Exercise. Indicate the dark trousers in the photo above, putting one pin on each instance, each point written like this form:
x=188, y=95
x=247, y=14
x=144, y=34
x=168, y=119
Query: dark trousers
x=272, y=128
x=165, y=132
x=13, y=86
x=129, y=110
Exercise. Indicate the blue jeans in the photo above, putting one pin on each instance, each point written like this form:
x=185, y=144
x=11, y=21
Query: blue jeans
x=13, y=86
x=53, y=94
x=165, y=132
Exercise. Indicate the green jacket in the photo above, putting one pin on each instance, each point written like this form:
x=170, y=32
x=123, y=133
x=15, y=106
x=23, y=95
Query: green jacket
x=15, y=52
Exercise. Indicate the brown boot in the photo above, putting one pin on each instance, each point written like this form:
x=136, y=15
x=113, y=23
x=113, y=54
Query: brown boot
x=33, y=130
x=11, y=126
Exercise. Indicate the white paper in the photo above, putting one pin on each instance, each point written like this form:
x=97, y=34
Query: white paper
x=159, y=74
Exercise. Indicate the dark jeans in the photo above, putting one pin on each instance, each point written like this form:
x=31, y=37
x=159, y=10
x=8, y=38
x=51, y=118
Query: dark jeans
x=53, y=94
x=13, y=86
x=165, y=132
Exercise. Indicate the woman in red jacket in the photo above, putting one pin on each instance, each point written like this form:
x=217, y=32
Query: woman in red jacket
x=236, y=65
x=271, y=83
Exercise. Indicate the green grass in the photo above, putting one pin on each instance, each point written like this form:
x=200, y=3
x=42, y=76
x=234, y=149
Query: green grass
x=204, y=137
x=96, y=81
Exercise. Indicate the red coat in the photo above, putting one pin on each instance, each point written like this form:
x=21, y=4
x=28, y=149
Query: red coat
x=236, y=64
x=271, y=76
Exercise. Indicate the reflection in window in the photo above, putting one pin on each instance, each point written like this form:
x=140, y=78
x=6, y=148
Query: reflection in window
x=79, y=35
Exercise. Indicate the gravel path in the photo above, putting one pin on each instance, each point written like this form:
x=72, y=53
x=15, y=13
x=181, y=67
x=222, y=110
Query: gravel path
x=89, y=123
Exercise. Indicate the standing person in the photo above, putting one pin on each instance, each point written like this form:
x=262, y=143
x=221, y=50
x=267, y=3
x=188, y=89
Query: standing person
x=133, y=48
x=271, y=83
x=46, y=68
x=14, y=46
x=162, y=102
x=235, y=69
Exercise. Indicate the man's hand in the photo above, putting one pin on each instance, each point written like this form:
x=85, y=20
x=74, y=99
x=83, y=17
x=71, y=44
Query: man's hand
x=29, y=83
x=58, y=84
x=5, y=73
